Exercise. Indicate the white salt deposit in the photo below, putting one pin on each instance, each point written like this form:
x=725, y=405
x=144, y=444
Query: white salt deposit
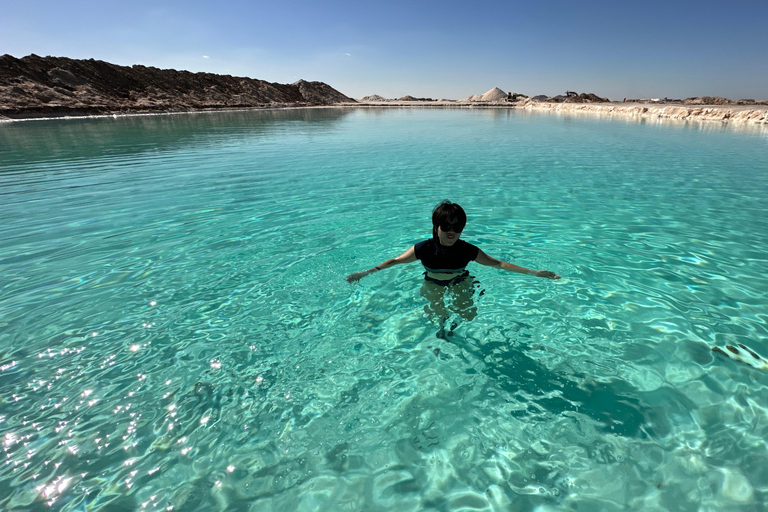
x=494, y=94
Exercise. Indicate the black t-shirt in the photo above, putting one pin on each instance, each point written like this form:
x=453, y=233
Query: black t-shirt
x=442, y=259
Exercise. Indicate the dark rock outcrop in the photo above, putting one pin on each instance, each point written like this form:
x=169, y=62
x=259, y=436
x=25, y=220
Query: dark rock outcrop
x=717, y=100
x=707, y=100
x=412, y=98
x=41, y=86
x=572, y=97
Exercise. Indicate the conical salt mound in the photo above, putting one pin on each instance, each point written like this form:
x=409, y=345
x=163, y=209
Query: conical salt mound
x=494, y=94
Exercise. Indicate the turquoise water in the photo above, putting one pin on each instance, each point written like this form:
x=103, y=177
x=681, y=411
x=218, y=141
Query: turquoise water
x=176, y=331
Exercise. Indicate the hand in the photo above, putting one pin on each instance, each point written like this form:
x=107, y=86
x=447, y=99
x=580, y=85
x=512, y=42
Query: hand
x=356, y=276
x=546, y=273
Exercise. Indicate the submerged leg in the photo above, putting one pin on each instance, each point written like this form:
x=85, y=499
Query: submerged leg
x=435, y=308
x=435, y=295
x=463, y=303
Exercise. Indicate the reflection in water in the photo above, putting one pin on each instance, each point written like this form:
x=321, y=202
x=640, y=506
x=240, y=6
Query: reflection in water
x=83, y=138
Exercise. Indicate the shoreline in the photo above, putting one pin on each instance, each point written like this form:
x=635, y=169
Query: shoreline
x=738, y=114
x=84, y=114
x=747, y=114
x=48, y=88
x=751, y=114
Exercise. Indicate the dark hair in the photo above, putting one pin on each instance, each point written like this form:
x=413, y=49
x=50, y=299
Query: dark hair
x=444, y=212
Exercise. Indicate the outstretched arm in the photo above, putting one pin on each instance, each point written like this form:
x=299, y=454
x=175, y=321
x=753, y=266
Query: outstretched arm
x=407, y=257
x=486, y=260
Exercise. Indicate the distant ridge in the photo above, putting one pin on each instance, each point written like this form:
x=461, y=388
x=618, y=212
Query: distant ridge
x=373, y=97
x=40, y=86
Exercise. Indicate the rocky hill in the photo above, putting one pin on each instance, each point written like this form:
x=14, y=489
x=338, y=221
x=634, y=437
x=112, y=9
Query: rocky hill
x=574, y=97
x=42, y=86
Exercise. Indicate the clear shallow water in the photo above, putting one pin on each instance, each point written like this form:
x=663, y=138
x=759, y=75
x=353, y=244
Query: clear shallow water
x=176, y=330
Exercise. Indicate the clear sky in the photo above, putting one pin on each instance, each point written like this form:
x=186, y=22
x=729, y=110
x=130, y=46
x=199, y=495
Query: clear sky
x=437, y=49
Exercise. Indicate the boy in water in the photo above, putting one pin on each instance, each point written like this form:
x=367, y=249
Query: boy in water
x=445, y=257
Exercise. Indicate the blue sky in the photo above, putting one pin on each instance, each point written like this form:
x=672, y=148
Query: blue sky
x=446, y=49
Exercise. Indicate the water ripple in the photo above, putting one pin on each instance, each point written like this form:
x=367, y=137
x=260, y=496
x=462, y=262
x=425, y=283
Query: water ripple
x=177, y=330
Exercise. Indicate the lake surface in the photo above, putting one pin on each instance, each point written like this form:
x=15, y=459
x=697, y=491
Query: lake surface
x=176, y=331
